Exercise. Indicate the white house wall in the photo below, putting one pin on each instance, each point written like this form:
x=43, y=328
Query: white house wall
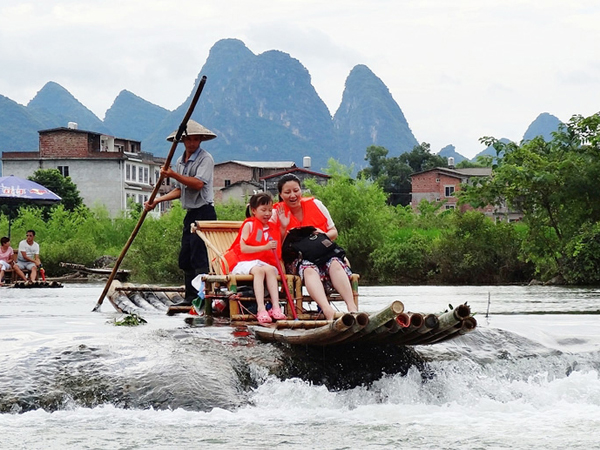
x=100, y=182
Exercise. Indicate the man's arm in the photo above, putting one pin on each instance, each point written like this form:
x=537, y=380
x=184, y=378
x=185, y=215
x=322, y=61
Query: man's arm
x=191, y=182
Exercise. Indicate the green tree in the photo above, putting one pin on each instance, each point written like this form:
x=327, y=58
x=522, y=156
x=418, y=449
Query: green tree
x=359, y=210
x=420, y=158
x=482, y=161
x=61, y=186
x=555, y=185
x=393, y=173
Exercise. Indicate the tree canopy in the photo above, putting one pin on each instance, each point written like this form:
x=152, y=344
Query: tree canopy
x=61, y=186
x=555, y=185
x=393, y=174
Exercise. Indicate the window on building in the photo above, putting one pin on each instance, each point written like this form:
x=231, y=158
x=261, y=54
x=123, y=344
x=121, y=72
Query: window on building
x=450, y=206
x=140, y=174
x=128, y=171
x=146, y=172
x=449, y=191
x=64, y=170
x=227, y=183
x=133, y=172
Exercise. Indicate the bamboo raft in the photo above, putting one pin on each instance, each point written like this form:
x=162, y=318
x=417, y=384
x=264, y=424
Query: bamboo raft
x=36, y=284
x=391, y=325
x=121, y=274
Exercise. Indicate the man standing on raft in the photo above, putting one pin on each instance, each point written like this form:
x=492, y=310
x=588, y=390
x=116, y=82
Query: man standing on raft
x=193, y=176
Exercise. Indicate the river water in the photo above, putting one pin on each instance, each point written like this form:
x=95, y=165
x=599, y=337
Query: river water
x=526, y=378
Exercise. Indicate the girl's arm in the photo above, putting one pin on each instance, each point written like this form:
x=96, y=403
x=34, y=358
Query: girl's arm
x=245, y=248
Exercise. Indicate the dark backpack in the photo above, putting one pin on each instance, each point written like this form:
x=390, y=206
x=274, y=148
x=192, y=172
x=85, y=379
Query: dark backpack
x=305, y=243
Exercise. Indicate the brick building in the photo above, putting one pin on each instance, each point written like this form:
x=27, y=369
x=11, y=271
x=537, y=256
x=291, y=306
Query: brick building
x=107, y=170
x=269, y=182
x=239, y=180
x=230, y=174
x=441, y=185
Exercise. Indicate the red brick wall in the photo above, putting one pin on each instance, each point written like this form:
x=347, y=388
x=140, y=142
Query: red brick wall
x=431, y=186
x=64, y=144
x=232, y=172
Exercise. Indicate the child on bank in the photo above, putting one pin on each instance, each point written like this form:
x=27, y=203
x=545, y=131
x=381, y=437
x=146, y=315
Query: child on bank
x=254, y=250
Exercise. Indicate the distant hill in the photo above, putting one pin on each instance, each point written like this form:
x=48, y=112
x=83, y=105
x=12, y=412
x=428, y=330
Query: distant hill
x=18, y=127
x=544, y=125
x=54, y=106
x=132, y=117
x=490, y=150
x=260, y=106
x=449, y=151
x=368, y=115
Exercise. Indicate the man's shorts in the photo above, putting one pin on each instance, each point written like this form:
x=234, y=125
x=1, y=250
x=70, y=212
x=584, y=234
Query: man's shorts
x=25, y=265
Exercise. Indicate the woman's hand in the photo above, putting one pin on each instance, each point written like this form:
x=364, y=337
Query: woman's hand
x=271, y=245
x=284, y=219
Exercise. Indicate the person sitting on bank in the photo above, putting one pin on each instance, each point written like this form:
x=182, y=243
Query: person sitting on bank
x=28, y=257
x=7, y=260
x=296, y=211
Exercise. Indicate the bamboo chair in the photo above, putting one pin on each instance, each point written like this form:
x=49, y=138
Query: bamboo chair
x=218, y=235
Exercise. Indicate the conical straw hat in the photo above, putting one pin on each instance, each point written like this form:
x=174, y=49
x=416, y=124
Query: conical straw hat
x=194, y=129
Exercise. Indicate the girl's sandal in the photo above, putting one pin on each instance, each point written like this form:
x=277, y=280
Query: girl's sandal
x=277, y=314
x=263, y=317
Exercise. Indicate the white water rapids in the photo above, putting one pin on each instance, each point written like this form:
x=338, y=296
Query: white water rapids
x=527, y=378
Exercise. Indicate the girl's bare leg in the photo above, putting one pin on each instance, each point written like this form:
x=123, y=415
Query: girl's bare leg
x=259, y=286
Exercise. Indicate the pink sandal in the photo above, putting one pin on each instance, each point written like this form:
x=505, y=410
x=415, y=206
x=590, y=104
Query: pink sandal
x=277, y=314
x=263, y=317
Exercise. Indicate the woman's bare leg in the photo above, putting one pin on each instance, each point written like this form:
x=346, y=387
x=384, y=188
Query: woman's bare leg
x=314, y=286
x=341, y=283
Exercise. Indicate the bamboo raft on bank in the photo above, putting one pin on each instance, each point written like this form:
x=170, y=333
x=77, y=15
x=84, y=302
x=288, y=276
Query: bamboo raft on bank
x=36, y=284
x=390, y=325
x=121, y=274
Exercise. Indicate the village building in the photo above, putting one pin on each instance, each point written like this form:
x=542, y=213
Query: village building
x=238, y=180
x=441, y=185
x=108, y=171
x=114, y=172
x=269, y=182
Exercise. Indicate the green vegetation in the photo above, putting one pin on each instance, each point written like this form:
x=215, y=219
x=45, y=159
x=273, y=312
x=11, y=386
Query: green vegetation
x=554, y=184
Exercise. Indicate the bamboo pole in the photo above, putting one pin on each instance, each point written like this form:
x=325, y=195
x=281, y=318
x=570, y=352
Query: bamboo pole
x=180, y=131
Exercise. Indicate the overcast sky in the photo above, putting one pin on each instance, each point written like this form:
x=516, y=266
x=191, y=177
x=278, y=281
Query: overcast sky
x=459, y=70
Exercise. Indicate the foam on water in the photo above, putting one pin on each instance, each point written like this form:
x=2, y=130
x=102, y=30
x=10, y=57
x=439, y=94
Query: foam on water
x=519, y=381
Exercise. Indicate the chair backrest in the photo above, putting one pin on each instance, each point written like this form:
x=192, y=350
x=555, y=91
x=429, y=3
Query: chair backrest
x=218, y=235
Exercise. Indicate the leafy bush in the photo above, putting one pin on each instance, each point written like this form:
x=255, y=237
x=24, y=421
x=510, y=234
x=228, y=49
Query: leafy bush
x=405, y=257
x=361, y=215
x=583, y=266
x=475, y=250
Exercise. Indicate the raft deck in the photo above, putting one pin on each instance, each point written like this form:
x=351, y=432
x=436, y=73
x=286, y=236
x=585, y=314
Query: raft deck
x=391, y=325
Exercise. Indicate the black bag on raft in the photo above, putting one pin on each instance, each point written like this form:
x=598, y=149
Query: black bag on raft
x=305, y=243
